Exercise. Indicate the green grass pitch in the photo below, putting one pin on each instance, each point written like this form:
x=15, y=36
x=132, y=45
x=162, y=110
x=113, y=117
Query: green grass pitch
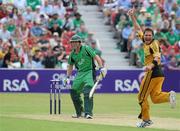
x=14, y=104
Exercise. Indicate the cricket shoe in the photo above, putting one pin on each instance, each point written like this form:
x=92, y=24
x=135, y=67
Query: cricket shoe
x=78, y=116
x=88, y=117
x=143, y=124
x=172, y=99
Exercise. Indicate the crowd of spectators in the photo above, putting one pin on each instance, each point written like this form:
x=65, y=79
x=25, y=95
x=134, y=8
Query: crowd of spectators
x=36, y=33
x=163, y=16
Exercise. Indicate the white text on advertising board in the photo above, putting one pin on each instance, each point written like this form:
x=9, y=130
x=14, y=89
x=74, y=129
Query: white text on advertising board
x=126, y=85
x=15, y=85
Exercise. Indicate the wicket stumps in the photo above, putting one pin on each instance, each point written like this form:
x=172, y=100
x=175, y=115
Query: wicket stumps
x=56, y=91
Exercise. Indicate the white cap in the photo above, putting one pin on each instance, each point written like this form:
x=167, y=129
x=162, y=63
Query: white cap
x=151, y=1
x=38, y=6
x=38, y=21
x=121, y=7
x=55, y=34
x=173, y=13
x=148, y=15
x=29, y=7
x=143, y=9
x=5, y=40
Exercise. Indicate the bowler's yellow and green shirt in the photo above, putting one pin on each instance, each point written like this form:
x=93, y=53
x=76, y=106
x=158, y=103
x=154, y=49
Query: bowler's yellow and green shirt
x=151, y=51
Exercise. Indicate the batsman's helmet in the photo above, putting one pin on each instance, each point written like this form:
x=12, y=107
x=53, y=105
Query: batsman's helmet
x=75, y=38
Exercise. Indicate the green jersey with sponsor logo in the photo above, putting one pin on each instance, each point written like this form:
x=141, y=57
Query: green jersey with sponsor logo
x=83, y=60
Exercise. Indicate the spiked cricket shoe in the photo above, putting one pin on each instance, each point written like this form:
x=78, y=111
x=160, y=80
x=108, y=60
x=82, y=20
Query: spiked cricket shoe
x=172, y=99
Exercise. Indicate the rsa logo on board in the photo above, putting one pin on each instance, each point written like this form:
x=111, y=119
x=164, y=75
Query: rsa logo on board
x=129, y=85
x=17, y=85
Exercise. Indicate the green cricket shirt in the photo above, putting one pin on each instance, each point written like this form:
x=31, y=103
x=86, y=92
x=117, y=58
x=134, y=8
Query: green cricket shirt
x=83, y=59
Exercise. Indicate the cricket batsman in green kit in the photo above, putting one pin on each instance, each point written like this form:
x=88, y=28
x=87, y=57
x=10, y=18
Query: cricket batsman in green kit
x=82, y=57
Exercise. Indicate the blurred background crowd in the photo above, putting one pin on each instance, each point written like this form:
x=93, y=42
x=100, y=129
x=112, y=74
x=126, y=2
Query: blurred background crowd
x=163, y=16
x=36, y=33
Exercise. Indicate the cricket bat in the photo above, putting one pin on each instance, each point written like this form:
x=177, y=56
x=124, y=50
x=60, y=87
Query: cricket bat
x=94, y=87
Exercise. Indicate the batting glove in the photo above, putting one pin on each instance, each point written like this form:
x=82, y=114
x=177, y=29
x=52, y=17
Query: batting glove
x=66, y=81
x=102, y=73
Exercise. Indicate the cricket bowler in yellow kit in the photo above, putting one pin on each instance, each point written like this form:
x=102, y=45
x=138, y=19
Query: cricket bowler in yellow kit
x=82, y=57
x=151, y=84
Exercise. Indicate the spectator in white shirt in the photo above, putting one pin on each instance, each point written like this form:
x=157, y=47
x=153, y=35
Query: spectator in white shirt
x=59, y=9
x=20, y=4
x=47, y=8
x=28, y=15
x=4, y=33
